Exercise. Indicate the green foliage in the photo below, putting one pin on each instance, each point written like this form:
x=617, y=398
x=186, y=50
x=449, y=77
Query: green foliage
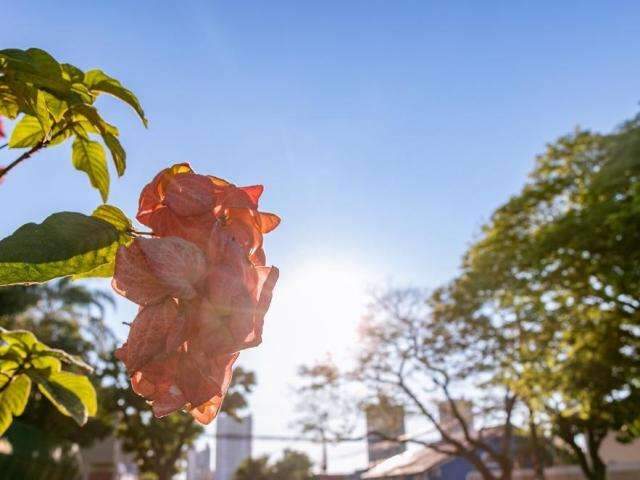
x=88, y=156
x=114, y=216
x=56, y=101
x=553, y=285
x=72, y=394
x=24, y=359
x=14, y=394
x=254, y=469
x=292, y=466
x=66, y=243
x=27, y=133
x=68, y=316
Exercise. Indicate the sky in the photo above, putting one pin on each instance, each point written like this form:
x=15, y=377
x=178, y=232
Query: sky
x=385, y=134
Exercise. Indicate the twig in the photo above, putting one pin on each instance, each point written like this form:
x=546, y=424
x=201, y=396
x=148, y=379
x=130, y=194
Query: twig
x=42, y=144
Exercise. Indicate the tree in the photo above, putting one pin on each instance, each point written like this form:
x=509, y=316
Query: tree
x=556, y=274
x=292, y=465
x=325, y=409
x=254, y=469
x=66, y=316
x=409, y=355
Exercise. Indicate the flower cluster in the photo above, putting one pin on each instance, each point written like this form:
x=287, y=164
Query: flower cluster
x=202, y=286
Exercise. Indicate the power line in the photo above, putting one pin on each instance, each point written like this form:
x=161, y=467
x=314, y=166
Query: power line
x=281, y=438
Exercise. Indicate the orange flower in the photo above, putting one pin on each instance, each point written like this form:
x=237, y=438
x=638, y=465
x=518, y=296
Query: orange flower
x=157, y=329
x=149, y=270
x=182, y=203
x=184, y=380
x=202, y=287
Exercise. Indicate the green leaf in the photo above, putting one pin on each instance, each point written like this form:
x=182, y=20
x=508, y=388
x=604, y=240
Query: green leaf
x=98, y=81
x=72, y=394
x=65, y=357
x=66, y=243
x=10, y=359
x=24, y=338
x=90, y=120
x=45, y=364
x=103, y=271
x=35, y=66
x=89, y=157
x=81, y=122
x=118, y=154
x=9, y=106
x=13, y=400
x=56, y=106
x=27, y=133
x=114, y=216
x=41, y=110
x=72, y=73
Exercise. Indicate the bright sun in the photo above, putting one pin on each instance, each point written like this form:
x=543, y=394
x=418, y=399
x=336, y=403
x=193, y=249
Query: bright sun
x=327, y=297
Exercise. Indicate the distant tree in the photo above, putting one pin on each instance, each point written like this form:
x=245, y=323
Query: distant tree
x=254, y=469
x=325, y=411
x=292, y=465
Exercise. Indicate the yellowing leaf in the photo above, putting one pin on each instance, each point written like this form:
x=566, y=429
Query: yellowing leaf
x=27, y=133
x=72, y=394
x=89, y=157
x=114, y=216
x=98, y=81
x=118, y=154
x=13, y=400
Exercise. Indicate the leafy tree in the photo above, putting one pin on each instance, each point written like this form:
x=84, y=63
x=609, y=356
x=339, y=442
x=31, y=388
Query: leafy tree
x=66, y=316
x=254, y=469
x=292, y=465
x=556, y=276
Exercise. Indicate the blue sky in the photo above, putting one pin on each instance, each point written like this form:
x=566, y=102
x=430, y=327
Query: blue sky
x=385, y=132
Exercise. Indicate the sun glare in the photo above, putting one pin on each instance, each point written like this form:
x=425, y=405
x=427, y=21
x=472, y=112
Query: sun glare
x=328, y=296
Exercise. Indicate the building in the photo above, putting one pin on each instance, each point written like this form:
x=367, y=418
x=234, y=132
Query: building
x=199, y=464
x=233, y=444
x=385, y=421
x=623, y=463
x=450, y=422
x=421, y=464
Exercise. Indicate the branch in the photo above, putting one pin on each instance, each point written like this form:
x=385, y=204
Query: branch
x=42, y=144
